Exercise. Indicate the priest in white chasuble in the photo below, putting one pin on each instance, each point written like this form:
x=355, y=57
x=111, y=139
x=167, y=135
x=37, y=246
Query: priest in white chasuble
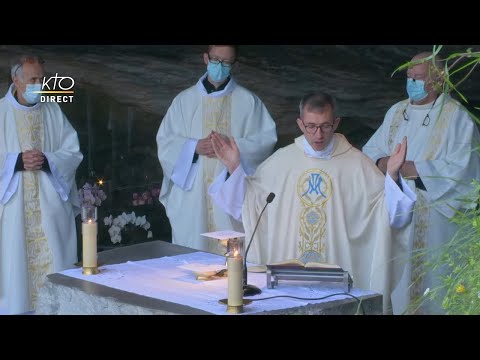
x=39, y=155
x=442, y=161
x=216, y=103
x=332, y=204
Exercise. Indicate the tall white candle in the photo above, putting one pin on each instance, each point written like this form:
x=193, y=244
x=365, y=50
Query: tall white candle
x=89, y=237
x=235, y=281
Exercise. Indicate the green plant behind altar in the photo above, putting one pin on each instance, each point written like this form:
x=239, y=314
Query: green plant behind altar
x=458, y=261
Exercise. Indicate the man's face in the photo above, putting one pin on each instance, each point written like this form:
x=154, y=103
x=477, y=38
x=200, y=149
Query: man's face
x=32, y=73
x=418, y=72
x=225, y=54
x=318, y=128
x=421, y=72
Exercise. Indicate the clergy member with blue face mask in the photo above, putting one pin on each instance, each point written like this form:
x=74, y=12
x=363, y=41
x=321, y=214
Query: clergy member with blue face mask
x=416, y=89
x=441, y=163
x=39, y=155
x=215, y=104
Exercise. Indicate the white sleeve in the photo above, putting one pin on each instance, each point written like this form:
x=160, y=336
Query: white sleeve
x=229, y=194
x=399, y=204
x=64, y=158
x=8, y=179
x=185, y=170
x=56, y=178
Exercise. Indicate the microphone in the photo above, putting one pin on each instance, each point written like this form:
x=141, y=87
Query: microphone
x=250, y=290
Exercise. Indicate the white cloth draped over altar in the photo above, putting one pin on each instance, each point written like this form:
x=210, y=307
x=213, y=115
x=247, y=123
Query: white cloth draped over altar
x=173, y=279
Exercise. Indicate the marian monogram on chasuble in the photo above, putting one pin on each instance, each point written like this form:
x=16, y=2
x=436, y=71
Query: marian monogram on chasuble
x=40, y=258
x=217, y=113
x=314, y=189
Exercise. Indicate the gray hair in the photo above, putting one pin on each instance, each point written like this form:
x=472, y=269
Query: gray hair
x=317, y=102
x=17, y=64
x=16, y=70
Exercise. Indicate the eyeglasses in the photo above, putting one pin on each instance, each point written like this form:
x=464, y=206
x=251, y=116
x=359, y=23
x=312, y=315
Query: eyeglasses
x=224, y=63
x=425, y=122
x=426, y=119
x=312, y=129
x=31, y=59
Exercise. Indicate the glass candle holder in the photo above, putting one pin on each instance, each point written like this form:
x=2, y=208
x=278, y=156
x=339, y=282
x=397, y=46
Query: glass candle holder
x=235, y=252
x=235, y=245
x=89, y=240
x=89, y=214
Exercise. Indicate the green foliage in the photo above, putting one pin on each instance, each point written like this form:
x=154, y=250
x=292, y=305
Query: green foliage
x=456, y=68
x=459, y=259
x=460, y=289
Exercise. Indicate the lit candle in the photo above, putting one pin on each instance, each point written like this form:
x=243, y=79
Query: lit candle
x=235, y=280
x=89, y=239
x=89, y=233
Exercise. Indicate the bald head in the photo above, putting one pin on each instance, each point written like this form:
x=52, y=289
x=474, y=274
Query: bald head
x=426, y=57
x=428, y=71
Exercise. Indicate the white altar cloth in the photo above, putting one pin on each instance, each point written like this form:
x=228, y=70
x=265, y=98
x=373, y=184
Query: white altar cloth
x=173, y=279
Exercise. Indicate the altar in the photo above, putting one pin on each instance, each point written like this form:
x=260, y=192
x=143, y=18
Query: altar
x=159, y=278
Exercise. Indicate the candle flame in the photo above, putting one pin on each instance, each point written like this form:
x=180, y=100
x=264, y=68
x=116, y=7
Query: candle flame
x=235, y=253
x=100, y=182
x=90, y=221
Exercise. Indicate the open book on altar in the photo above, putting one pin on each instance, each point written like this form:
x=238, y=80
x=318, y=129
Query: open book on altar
x=298, y=264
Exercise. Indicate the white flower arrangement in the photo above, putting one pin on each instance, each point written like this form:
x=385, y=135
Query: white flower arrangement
x=125, y=220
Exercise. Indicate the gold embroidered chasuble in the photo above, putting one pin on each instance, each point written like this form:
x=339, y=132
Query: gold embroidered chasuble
x=216, y=117
x=30, y=132
x=325, y=210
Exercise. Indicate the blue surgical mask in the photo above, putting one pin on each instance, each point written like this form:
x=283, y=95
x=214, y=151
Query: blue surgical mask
x=416, y=89
x=30, y=96
x=218, y=72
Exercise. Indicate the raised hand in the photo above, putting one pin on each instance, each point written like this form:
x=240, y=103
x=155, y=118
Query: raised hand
x=226, y=150
x=397, y=159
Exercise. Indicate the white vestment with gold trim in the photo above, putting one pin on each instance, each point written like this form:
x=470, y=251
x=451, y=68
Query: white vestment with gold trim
x=441, y=141
x=193, y=115
x=330, y=210
x=37, y=208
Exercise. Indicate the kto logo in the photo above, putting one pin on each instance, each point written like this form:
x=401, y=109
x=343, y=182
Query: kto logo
x=55, y=89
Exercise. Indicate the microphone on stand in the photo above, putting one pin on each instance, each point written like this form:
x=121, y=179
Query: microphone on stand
x=250, y=290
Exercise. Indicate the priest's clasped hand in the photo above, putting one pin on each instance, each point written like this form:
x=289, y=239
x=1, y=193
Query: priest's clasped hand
x=33, y=159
